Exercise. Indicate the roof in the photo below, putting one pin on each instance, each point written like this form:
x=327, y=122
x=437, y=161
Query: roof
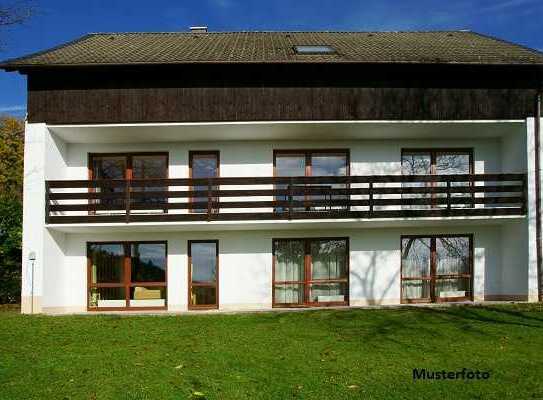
x=439, y=47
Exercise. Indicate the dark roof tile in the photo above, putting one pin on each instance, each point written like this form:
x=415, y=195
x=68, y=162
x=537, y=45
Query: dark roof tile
x=461, y=47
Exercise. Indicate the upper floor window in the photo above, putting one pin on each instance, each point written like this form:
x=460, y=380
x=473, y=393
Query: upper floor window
x=128, y=166
x=311, y=163
x=437, y=162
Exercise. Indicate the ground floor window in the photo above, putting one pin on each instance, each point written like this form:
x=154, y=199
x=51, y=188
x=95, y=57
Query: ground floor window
x=437, y=268
x=127, y=275
x=310, y=272
x=203, y=274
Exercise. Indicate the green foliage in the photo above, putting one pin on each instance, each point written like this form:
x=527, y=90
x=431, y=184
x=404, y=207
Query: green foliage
x=11, y=208
x=320, y=354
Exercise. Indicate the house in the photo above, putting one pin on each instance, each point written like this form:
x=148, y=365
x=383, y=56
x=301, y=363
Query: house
x=252, y=170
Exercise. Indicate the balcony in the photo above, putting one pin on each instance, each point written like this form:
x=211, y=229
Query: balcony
x=285, y=198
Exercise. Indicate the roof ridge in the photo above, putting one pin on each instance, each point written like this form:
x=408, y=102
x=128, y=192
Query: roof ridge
x=270, y=31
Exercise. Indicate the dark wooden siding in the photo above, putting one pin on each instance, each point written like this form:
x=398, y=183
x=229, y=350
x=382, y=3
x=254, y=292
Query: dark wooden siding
x=300, y=92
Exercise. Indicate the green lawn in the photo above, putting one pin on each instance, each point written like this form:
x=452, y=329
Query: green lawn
x=321, y=354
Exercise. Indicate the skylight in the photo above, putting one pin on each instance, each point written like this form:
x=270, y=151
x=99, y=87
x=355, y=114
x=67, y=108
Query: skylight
x=314, y=49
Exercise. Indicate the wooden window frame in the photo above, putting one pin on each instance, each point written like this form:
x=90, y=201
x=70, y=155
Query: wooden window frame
x=433, y=276
x=434, y=152
x=307, y=153
x=127, y=274
x=129, y=166
x=129, y=161
x=217, y=155
x=307, y=274
x=190, y=284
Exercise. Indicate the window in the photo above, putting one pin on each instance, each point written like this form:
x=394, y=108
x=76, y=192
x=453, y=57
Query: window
x=311, y=163
x=203, y=274
x=436, y=268
x=203, y=164
x=310, y=272
x=314, y=49
x=127, y=275
x=128, y=166
x=437, y=162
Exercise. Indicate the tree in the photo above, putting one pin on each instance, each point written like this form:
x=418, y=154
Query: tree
x=11, y=207
x=15, y=12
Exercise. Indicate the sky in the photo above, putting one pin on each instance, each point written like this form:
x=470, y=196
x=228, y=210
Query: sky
x=58, y=21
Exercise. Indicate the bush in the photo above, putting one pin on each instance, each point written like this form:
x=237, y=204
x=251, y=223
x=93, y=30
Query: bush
x=11, y=218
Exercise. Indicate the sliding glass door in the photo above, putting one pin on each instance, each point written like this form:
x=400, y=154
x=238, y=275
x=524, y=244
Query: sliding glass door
x=311, y=163
x=131, y=166
x=127, y=275
x=437, y=162
x=310, y=272
x=437, y=268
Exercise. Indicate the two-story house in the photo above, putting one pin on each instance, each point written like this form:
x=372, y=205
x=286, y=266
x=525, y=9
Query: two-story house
x=252, y=170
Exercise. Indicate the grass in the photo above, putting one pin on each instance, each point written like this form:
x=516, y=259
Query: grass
x=322, y=354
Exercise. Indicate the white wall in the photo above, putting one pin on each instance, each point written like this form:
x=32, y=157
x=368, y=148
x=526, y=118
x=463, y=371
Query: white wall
x=504, y=258
x=245, y=265
x=256, y=158
x=43, y=160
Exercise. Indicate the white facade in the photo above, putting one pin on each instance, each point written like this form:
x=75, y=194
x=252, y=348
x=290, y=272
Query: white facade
x=504, y=265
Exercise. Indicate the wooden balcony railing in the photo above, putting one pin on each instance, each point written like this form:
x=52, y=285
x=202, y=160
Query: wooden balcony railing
x=273, y=198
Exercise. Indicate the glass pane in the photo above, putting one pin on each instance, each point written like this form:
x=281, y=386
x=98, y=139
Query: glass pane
x=148, y=262
x=454, y=163
x=204, y=166
x=416, y=164
x=289, y=260
x=149, y=167
x=416, y=289
x=288, y=293
x=109, y=167
x=107, y=263
x=415, y=257
x=328, y=292
x=204, y=262
x=107, y=297
x=289, y=165
x=141, y=296
x=453, y=255
x=457, y=287
x=329, y=165
x=203, y=295
x=329, y=259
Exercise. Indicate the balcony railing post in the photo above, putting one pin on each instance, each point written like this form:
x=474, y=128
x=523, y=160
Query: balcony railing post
x=127, y=205
x=370, y=200
x=289, y=200
x=524, y=205
x=47, y=208
x=209, y=206
x=448, y=195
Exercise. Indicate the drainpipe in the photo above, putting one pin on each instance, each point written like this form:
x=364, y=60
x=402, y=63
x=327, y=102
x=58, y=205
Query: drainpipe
x=537, y=133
